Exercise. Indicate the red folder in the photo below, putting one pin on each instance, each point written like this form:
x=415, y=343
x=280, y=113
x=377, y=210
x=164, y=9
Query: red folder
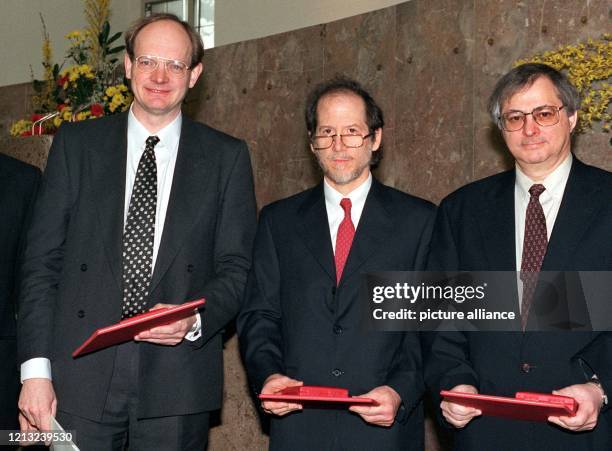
x=308, y=393
x=524, y=405
x=127, y=329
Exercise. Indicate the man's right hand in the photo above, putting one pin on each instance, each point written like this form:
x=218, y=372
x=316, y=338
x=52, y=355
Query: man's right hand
x=273, y=384
x=37, y=404
x=456, y=414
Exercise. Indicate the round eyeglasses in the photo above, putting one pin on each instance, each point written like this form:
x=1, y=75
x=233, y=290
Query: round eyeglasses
x=545, y=115
x=326, y=141
x=148, y=63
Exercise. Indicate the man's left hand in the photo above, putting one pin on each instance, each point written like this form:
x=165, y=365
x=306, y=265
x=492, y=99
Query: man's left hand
x=383, y=412
x=170, y=334
x=589, y=398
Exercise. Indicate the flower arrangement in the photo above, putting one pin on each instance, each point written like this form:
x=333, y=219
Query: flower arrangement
x=85, y=85
x=589, y=67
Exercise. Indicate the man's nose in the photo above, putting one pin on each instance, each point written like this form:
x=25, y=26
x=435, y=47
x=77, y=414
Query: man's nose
x=337, y=144
x=530, y=127
x=160, y=74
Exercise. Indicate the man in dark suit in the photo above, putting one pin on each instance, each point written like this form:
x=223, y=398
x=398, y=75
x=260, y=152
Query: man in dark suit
x=301, y=320
x=136, y=211
x=498, y=224
x=18, y=182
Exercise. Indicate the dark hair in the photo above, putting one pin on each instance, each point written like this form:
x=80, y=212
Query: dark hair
x=524, y=76
x=342, y=84
x=197, y=47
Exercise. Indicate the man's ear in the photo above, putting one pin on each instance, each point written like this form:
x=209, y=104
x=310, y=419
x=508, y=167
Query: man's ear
x=377, y=139
x=310, y=142
x=194, y=74
x=573, y=120
x=127, y=64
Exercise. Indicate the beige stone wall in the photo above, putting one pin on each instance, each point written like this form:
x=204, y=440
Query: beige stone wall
x=430, y=63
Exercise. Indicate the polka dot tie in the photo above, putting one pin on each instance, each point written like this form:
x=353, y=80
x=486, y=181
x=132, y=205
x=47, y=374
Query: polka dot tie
x=344, y=239
x=139, y=234
x=534, y=248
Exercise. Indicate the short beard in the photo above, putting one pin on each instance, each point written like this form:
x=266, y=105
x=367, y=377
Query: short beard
x=343, y=178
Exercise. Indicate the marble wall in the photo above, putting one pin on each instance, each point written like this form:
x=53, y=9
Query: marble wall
x=431, y=64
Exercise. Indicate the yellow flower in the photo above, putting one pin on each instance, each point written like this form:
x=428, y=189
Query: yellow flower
x=77, y=37
x=82, y=115
x=66, y=114
x=22, y=125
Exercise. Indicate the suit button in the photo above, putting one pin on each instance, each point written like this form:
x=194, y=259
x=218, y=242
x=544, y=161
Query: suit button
x=333, y=291
x=525, y=367
x=81, y=313
x=83, y=267
x=337, y=329
x=336, y=372
x=189, y=268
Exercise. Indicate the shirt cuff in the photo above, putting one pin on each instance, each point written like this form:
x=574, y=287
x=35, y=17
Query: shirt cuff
x=38, y=367
x=196, y=330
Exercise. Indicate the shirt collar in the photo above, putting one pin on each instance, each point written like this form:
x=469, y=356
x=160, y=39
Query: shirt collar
x=358, y=195
x=554, y=183
x=168, y=136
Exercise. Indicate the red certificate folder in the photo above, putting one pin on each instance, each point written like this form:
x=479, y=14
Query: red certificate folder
x=127, y=329
x=524, y=405
x=309, y=393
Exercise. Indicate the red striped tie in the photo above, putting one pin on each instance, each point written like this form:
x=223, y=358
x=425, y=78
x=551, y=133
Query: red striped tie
x=344, y=239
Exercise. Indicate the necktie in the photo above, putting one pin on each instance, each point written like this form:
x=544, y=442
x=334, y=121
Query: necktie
x=139, y=234
x=344, y=239
x=534, y=248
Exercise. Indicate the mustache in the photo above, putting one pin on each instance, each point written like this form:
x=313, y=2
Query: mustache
x=532, y=141
x=338, y=157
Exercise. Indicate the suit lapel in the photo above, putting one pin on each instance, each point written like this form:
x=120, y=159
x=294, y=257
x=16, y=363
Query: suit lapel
x=186, y=198
x=497, y=229
x=576, y=213
x=374, y=226
x=108, y=163
x=314, y=230
x=497, y=225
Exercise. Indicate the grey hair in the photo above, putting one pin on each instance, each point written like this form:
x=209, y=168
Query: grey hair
x=524, y=76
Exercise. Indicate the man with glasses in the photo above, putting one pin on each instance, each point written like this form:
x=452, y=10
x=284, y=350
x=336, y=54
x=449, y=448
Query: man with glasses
x=551, y=212
x=301, y=320
x=137, y=211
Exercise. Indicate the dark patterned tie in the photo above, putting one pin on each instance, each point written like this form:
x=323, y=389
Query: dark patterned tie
x=344, y=239
x=139, y=234
x=534, y=248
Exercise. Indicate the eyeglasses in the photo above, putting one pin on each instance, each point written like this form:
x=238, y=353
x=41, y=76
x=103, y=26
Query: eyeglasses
x=545, y=116
x=147, y=64
x=326, y=141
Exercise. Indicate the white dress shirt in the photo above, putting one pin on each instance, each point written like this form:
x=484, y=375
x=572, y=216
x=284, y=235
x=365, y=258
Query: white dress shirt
x=550, y=200
x=335, y=213
x=166, y=152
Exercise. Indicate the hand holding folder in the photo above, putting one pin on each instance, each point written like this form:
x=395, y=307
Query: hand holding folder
x=127, y=329
x=168, y=334
x=589, y=398
x=524, y=406
x=457, y=414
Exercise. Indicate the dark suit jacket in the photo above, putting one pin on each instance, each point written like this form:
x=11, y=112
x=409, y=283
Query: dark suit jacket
x=72, y=269
x=18, y=182
x=297, y=322
x=475, y=231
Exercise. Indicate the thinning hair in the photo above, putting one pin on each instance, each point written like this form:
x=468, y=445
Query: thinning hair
x=522, y=77
x=338, y=85
x=197, y=47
